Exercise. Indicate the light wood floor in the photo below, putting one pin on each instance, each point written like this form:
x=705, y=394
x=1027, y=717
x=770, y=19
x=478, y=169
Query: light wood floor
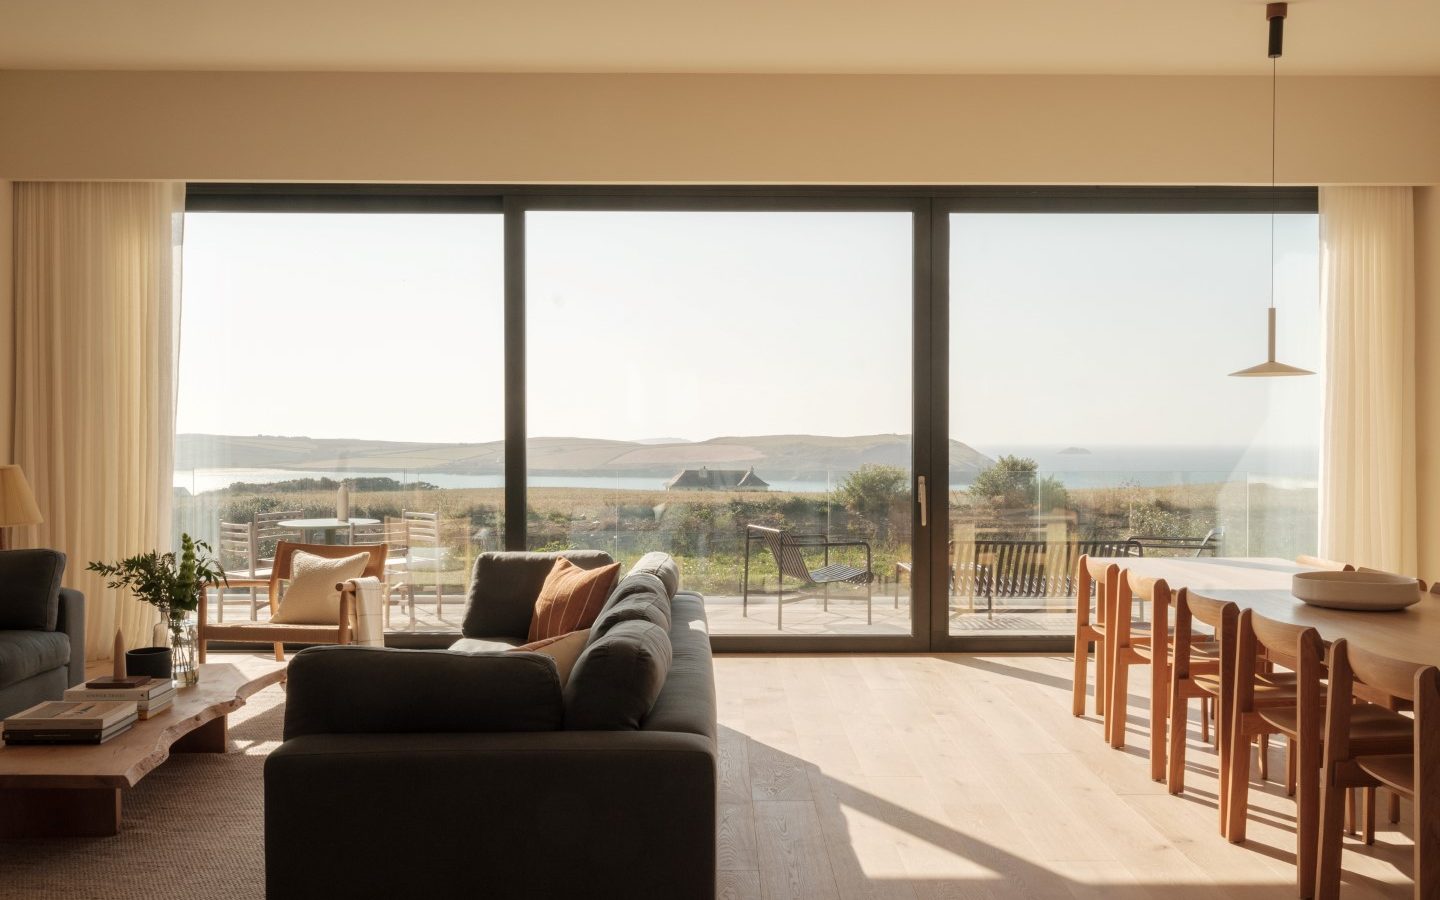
x=967, y=776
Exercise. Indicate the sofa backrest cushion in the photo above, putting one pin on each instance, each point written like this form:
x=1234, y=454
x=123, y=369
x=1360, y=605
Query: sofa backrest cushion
x=30, y=588
x=662, y=566
x=616, y=680
x=505, y=585
x=638, y=596
x=377, y=690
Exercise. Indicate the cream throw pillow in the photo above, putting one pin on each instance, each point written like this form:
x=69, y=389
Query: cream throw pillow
x=311, y=598
x=565, y=649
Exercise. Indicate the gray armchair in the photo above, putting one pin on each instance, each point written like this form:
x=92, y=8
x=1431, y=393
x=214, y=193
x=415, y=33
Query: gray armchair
x=42, y=630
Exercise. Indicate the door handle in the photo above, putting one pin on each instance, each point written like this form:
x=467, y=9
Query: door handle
x=924, y=497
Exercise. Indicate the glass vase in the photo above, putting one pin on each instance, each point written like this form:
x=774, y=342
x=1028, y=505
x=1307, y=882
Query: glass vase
x=184, y=665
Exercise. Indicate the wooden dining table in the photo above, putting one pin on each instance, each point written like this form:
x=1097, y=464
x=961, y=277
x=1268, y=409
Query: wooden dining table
x=1263, y=584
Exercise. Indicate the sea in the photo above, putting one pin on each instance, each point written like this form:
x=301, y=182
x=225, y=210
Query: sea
x=1076, y=467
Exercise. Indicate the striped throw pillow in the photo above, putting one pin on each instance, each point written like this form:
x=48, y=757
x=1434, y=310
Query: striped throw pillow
x=570, y=599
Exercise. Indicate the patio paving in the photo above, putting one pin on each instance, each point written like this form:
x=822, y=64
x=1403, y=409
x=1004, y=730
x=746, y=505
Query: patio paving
x=807, y=616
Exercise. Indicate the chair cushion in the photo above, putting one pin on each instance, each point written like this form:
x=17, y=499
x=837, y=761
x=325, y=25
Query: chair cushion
x=505, y=585
x=30, y=588
x=565, y=649
x=662, y=566
x=617, y=678
x=24, y=653
x=311, y=598
x=570, y=599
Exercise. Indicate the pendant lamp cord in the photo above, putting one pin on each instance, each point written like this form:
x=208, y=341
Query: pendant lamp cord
x=1274, y=84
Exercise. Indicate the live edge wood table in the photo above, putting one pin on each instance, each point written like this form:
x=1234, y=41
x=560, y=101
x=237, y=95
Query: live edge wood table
x=75, y=791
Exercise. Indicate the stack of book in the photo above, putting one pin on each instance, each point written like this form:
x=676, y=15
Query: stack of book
x=151, y=695
x=71, y=722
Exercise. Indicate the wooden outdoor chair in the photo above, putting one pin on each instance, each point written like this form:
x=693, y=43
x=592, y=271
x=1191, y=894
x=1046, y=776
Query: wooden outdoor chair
x=1410, y=768
x=424, y=554
x=789, y=552
x=394, y=535
x=247, y=550
x=277, y=634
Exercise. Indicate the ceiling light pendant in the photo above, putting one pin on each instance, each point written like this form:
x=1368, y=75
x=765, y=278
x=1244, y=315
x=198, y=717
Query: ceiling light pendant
x=1270, y=368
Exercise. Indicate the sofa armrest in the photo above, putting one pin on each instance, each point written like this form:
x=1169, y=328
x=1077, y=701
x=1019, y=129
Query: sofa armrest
x=71, y=621
x=562, y=814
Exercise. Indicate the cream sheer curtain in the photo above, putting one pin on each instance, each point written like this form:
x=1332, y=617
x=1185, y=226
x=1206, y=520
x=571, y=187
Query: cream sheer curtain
x=1367, y=458
x=96, y=337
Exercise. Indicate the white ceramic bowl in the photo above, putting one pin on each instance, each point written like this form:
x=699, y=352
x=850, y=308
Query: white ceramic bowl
x=1356, y=590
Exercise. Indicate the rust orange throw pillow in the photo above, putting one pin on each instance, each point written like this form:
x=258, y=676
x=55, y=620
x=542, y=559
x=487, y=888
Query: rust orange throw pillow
x=570, y=599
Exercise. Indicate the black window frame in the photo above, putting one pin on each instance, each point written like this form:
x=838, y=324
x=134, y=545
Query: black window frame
x=930, y=207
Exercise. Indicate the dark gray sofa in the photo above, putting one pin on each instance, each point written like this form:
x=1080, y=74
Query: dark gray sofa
x=450, y=773
x=42, y=630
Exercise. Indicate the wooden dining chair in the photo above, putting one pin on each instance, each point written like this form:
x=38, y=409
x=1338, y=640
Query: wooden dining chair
x=1088, y=631
x=1264, y=703
x=1198, y=677
x=1410, y=768
x=1318, y=562
x=1151, y=647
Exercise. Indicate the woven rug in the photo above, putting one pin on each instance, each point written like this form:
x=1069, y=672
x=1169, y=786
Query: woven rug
x=192, y=828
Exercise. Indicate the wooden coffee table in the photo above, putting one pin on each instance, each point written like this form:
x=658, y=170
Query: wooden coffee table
x=54, y=791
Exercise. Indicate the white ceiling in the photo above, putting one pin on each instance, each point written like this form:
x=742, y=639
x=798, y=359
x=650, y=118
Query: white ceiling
x=1379, y=37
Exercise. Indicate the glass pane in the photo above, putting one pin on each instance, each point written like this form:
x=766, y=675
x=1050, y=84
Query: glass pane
x=363, y=350
x=726, y=386
x=1091, y=407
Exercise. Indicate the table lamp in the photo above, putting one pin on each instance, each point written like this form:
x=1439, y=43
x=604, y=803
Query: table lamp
x=17, y=503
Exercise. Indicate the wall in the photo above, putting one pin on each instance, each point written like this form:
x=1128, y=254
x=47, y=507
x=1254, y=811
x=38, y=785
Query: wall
x=714, y=128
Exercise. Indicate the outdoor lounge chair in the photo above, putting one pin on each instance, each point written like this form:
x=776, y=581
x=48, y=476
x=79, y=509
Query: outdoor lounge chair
x=789, y=552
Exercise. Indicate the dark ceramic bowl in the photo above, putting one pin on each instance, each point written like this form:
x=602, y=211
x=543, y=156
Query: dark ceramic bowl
x=152, y=661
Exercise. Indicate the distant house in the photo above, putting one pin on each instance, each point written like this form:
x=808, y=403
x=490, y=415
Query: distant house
x=703, y=479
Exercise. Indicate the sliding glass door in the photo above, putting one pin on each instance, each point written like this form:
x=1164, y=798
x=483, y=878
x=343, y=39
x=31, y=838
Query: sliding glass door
x=1090, y=408
x=734, y=388
x=341, y=381
x=859, y=419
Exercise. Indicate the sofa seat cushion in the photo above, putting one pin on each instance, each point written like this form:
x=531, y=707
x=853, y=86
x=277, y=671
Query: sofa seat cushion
x=24, y=654
x=617, y=678
x=484, y=645
x=30, y=588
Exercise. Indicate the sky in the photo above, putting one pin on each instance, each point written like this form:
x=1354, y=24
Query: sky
x=694, y=325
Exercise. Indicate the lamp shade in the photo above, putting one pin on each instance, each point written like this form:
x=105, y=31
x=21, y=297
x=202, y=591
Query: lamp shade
x=1270, y=368
x=17, y=503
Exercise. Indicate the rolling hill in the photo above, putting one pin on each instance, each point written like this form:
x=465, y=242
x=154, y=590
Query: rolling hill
x=790, y=456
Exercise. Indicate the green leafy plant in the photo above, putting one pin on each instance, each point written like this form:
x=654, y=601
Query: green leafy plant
x=170, y=583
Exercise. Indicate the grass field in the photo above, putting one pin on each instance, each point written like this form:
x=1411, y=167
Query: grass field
x=705, y=530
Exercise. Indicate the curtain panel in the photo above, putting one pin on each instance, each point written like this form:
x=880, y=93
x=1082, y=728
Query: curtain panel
x=1367, y=458
x=96, y=341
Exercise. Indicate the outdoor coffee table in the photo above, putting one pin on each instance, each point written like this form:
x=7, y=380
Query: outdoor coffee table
x=75, y=790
